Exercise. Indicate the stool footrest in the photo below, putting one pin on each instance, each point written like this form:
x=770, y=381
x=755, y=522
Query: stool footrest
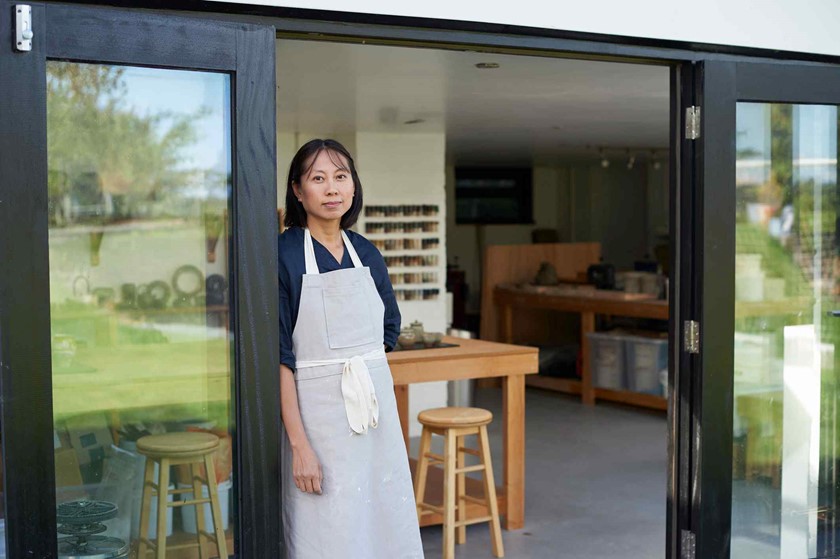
x=467, y=469
x=150, y=543
x=432, y=508
x=210, y=535
x=186, y=545
x=473, y=521
x=180, y=491
x=432, y=457
x=476, y=500
x=188, y=503
x=467, y=450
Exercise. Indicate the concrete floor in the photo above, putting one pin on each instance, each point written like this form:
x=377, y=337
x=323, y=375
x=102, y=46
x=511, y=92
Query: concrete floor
x=595, y=482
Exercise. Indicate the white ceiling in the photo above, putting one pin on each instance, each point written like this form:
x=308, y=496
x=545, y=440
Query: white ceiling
x=530, y=109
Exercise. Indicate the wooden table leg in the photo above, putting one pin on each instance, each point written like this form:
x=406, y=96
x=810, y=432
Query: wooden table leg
x=506, y=324
x=587, y=325
x=401, y=392
x=513, y=439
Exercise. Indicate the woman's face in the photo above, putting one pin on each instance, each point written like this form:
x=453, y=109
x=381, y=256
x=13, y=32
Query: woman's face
x=326, y=191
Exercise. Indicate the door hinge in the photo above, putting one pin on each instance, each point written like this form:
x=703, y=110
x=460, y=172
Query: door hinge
x=688, y=544
x=692, y=123
x=23, y=28
x=691, y=336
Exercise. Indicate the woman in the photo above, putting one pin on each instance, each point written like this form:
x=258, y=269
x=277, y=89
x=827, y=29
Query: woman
x=347, y=491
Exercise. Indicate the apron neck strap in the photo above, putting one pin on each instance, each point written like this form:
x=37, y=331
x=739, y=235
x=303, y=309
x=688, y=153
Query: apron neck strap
x=354, y=256
x=309, y=252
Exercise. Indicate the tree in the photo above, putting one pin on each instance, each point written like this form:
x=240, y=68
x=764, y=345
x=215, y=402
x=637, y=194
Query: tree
x=104, y=158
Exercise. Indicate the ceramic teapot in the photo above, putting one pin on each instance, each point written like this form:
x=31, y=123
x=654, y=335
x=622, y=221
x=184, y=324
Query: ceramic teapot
x=417, y=326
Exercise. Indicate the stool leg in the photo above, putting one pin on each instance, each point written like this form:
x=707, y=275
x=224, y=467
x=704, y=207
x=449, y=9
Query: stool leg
x=162, y=508
x=218, y=522
x=490, y=493
x=422, y=471
x=461, y=532
x=449, y=491
x=145, y=508
x=203, y=540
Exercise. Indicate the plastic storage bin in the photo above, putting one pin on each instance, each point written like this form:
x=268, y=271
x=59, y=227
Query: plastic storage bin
x=606, y=351
x=646, y=357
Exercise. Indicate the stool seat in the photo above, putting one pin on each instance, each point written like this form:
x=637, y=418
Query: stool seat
x=178, y=444
x=444, y=418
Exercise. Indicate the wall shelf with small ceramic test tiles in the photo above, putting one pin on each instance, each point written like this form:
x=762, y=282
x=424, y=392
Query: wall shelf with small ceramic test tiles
x=410, y=238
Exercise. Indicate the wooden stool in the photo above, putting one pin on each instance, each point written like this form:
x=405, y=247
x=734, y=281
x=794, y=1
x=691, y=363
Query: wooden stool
x=454, y=424
x=172, y=449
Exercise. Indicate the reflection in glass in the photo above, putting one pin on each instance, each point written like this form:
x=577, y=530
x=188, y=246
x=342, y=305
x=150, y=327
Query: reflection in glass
x=139, y=191
x=786, y=430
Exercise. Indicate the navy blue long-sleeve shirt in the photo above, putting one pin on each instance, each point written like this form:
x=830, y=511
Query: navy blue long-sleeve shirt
x=292, y=267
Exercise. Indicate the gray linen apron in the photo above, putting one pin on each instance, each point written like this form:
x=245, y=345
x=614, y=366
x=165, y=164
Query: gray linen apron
x=346, y=397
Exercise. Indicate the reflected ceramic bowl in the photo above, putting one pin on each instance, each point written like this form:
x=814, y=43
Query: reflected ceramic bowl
x=407, y=339
x=431, y=339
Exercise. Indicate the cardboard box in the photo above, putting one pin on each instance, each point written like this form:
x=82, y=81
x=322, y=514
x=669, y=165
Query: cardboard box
x=67, y=473
x=90, y=435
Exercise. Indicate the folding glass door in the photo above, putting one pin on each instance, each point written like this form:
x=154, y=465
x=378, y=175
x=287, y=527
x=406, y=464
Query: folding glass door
x=768, y=454
x=138, y=273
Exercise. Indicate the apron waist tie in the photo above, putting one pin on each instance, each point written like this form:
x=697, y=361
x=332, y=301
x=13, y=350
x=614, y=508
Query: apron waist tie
x=360, y=401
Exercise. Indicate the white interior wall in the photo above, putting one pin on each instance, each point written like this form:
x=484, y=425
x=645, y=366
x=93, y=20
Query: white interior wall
x=399, y=168
x=793, y=25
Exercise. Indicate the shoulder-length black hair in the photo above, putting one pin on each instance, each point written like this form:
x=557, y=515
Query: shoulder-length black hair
x=301, y=165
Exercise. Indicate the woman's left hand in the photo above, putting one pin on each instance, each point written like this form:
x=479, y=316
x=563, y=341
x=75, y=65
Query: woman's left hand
x=306, y=469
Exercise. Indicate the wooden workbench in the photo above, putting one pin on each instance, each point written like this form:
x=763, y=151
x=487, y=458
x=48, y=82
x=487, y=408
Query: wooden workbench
x=587, y=303
x=476, y=359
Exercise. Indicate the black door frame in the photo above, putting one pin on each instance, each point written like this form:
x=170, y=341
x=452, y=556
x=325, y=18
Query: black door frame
x=686, y=200
x=108, y=35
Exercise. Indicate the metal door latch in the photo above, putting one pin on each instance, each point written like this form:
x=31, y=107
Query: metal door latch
x=23, y=28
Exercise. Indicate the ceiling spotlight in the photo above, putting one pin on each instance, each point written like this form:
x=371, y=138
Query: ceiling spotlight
x=604, y=161
x=656, y=163
x=487, y=65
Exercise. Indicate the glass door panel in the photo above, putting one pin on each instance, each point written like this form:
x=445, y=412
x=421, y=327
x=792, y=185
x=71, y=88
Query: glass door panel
x=139, y=183
x=787, y=279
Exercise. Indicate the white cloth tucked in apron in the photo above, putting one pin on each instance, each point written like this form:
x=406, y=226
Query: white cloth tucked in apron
x=344, y=386
x=359, y=394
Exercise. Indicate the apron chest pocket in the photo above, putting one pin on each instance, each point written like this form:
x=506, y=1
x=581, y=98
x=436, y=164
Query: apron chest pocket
x=348, y=316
